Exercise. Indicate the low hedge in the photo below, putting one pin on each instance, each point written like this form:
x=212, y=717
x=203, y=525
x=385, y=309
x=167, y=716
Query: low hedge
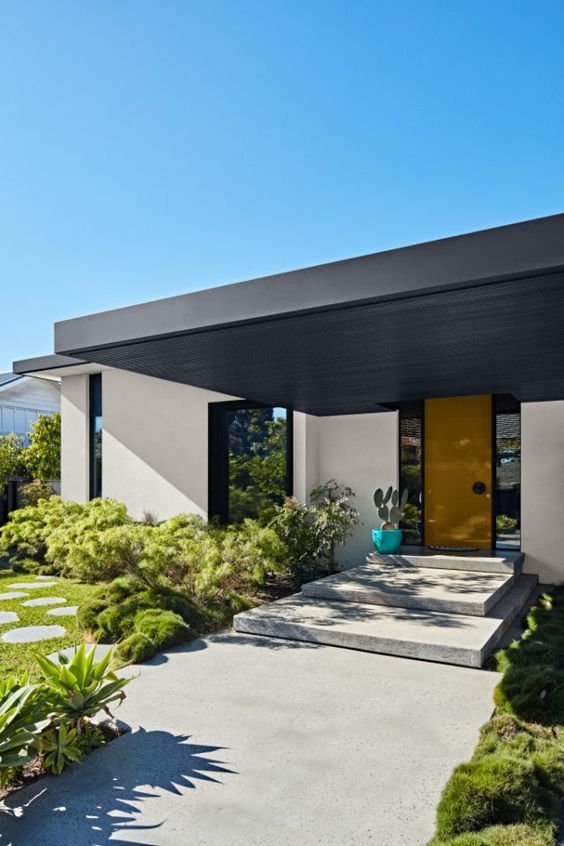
x=509, y=793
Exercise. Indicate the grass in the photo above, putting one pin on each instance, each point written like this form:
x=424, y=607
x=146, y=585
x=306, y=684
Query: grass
x=509, y=793
x=16, y=658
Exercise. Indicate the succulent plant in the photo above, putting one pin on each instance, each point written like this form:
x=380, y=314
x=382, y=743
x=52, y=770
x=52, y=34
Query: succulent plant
x=390, y=506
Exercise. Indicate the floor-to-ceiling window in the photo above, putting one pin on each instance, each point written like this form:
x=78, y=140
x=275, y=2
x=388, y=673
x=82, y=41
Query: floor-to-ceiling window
x=507, y=413
x=95, y=435
x=250, y=456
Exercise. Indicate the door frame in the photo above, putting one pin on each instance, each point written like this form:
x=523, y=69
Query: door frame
x=496, y=400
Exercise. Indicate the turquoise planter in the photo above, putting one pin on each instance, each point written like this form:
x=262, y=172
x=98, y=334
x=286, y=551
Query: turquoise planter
x=387, y=541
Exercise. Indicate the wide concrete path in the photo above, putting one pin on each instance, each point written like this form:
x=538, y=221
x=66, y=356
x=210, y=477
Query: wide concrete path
x=251, y=741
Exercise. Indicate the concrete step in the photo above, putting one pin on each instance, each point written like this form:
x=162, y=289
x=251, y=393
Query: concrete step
x=408, y=586
x=482, y=562
x=430, y=635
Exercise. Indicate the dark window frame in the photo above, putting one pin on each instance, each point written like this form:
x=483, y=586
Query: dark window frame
x=218, y=454
x=94, y=414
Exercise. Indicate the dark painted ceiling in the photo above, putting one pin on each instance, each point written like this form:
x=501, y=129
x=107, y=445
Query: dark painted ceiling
x=505, y=337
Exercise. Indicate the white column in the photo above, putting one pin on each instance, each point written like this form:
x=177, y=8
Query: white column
x=75, y=469
x=542, y=489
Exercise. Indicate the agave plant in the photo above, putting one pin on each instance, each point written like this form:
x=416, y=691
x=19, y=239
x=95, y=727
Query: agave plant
x=390, y=506
x=80, y=688
x=23, y=717
x=60, y=747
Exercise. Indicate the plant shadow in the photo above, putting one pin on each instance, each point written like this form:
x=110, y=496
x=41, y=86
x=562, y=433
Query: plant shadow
x=109, y=793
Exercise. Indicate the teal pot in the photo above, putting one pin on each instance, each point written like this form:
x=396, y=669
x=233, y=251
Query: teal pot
x=387, y=541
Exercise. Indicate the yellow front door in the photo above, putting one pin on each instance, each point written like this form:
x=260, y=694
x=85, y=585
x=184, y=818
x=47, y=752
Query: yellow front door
x=458, y=472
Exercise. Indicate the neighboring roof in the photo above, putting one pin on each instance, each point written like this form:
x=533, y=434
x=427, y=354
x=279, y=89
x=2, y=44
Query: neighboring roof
x=6, y=378
x=477, y=313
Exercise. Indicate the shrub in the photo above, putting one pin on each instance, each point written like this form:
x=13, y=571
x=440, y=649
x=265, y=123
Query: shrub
x=312, y=532
x=495, y=788
x=532, y=687
x=36, y=490
x=46, y=532
x=163, y=628
x=93, y=518
x=501, y=835
x=136, y=648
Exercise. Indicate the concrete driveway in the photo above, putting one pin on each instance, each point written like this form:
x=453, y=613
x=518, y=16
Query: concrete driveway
x=246, y=741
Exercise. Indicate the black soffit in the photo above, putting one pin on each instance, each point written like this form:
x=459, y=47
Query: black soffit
x=503, y=337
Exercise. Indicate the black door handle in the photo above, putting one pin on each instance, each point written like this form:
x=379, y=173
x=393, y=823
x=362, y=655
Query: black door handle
x=479, y=488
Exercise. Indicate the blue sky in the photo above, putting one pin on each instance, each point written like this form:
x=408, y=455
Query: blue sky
x=152, y=148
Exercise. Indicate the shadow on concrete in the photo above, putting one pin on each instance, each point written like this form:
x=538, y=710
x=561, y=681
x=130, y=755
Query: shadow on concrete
x=94, y=802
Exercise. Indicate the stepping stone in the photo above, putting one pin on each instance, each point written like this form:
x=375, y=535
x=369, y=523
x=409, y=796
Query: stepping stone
x=31, y=585
x=67, y=611
x=8, y=617
x=30, y=634
x=43, y=578
x=44, y=600
x=12, y=595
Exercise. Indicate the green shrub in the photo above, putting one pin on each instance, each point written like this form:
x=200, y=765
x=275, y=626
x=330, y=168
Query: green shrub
x=532, y=687
x=495, y=788
x=36, y=490
x=47, y=531
x=88, y=612
x=94, y=518
x=163, y=628
x=136, y=648
x=312, y=532
x=502, y=835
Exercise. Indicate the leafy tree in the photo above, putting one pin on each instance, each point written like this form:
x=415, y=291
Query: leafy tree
x=11, y=448
x=42, y=458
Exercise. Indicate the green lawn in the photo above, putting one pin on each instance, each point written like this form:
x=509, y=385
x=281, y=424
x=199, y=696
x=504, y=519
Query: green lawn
x=15, y=658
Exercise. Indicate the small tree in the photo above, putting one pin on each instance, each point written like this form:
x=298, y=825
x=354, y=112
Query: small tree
x=11, y=448
x=42, y=458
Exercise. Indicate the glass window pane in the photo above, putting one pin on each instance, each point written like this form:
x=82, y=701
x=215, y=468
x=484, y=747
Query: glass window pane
x=257, y=460
x=411, y=437
x=508, y=479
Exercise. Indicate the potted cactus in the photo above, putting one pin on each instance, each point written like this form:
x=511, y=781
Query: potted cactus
x=390, y=507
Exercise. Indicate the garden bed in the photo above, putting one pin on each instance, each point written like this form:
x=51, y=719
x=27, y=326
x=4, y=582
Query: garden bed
x=19, y=657
x=509, y=793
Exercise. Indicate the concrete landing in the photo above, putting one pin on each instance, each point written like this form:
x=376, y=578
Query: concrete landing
x=407, y=586
x=482, y=561
x=465, y=640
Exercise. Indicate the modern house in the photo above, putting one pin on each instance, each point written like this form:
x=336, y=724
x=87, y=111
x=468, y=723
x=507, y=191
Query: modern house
x=438, y=366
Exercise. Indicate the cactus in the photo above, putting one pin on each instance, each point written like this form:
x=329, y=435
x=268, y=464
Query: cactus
x=391, y=514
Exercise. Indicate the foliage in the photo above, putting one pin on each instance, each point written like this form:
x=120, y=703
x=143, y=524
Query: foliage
x=20, y=657
x=46, y=532
x=11, y=447
x=32, y=492
x=22, y=718
x=60, y=747
x=509, y=793
x=503, y=523
x=311, y=532
x=50, y=720
x=532, y=686
x=42, y=458
x=391, y=515
x=81, y=687
x=257, y=462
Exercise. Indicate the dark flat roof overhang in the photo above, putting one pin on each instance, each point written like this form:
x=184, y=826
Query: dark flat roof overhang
x=478, y=313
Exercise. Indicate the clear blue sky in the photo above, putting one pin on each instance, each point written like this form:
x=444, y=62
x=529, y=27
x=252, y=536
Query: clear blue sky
x=152, y=148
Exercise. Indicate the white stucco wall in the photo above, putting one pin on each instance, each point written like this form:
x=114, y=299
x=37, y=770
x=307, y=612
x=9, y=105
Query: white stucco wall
x=74, y=438
x=155, y=444
x=359, y=450
x=542, y=489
